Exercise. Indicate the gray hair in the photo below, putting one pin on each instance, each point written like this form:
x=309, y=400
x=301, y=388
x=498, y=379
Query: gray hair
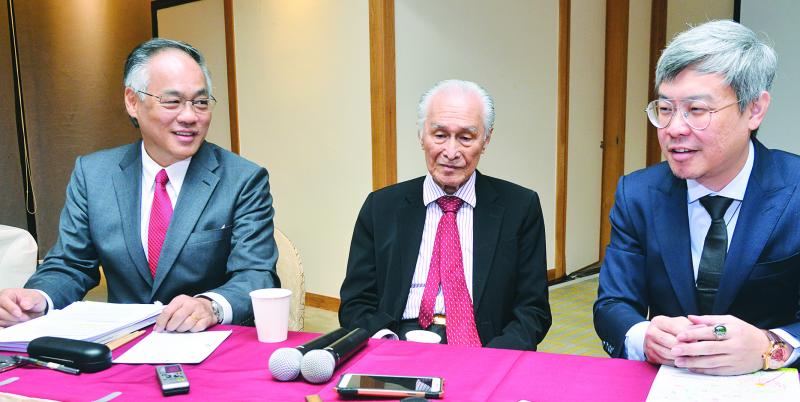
x=726, y=48
x=467, y=86
x=136, y=74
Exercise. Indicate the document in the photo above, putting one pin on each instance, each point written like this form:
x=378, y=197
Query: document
x=173, y=347
x=675, y=384
x=83, y=320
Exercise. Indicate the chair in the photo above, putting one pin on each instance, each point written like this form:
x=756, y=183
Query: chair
x=290, y=271
x=18, y=253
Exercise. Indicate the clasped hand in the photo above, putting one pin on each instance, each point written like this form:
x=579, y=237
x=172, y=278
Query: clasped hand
x=186, y=314
x=690, y=342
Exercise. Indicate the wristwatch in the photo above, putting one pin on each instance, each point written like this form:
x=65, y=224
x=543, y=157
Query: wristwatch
x=216, y=308
x=778, y=353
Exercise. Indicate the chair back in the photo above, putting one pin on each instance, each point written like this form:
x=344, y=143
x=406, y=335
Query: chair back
x=290, y=271
x=18, y=252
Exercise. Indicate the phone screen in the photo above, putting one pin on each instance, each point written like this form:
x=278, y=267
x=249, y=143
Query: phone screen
x=389, y=385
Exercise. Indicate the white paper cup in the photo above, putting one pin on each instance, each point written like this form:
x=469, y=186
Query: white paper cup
x=423, y=336
x=271, y=310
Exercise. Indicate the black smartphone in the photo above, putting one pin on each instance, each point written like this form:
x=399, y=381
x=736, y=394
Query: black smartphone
x=390, y=386
x=7, y=363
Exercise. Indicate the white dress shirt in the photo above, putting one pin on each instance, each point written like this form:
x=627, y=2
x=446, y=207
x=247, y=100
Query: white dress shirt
x=699, y=224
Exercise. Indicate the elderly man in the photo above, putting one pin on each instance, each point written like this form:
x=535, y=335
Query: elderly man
x=170, y=218
x=704, y=247
x=454, y=252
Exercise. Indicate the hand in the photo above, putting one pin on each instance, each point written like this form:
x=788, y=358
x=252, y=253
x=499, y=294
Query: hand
x=185, y=313
x=660, y=338
x=20, y=305
x=739, y=351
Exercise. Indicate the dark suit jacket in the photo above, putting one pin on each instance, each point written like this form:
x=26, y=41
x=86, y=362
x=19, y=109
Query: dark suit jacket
x=509, y=264
x=219, y=238
x=648, y=264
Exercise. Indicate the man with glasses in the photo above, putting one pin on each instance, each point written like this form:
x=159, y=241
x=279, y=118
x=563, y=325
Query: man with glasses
x=170, y=218
x=703, y=268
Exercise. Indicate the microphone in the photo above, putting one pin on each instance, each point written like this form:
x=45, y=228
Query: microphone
x=318, y=365
x=284, y=363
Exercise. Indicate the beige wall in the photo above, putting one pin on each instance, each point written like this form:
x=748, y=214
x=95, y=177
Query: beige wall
x=304, y=114
x=202, y=25
x=510, y=48
x=586, y=87
x=638, y=85
x=684, y=13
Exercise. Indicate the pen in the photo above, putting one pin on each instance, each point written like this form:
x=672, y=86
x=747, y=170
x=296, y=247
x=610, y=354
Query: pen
x=124, y=339
x=41, y=363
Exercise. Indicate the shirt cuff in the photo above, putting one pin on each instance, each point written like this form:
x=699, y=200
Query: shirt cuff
x=227, y=310
x=385, y=334
x=50, y=302
x=791, y=341
x=634, y=341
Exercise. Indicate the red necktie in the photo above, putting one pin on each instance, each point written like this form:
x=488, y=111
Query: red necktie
x=160, y=214
x=447, y=268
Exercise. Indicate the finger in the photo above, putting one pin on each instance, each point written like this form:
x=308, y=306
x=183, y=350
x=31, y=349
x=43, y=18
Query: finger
x=33, y=302
x=709, y=348
x=724, y=370
x=709, y=319
x=10, y=306
x=703, y=362
x=658, y=354
x=201, y=325
x=702, y=332
x=178, y=320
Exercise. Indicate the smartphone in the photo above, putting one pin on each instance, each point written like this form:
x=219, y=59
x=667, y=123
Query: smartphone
x=390, y=386
x=7, y=363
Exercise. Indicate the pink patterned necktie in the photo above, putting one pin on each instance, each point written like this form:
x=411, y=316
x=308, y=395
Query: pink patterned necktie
x=447, y=268
x=160, y=214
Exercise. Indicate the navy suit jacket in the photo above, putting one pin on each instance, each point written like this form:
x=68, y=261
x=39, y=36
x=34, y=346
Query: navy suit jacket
x=509, y=281
x=647, y=270
x=220, y=237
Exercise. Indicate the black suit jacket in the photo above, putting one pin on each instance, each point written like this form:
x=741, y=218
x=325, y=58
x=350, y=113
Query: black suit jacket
x=509, y=264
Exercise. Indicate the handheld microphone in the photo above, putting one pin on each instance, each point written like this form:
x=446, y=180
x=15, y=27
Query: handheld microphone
x=284, y=363
x=318, y=365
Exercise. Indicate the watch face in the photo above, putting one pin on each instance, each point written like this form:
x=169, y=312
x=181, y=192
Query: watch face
x=779, y=354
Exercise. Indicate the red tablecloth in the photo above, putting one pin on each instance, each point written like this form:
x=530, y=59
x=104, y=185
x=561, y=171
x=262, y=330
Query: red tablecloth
x=237, y=371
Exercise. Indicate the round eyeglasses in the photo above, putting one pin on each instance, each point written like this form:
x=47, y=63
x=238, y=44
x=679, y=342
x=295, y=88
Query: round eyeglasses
x=175, y=103
x=696, y=113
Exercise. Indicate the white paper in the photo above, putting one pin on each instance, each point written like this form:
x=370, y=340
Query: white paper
x=88, y=321
x=173, y=347
x=674, y=384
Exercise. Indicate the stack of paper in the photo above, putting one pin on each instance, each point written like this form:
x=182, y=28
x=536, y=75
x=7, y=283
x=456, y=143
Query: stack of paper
x=87, y=321
x=674, y=384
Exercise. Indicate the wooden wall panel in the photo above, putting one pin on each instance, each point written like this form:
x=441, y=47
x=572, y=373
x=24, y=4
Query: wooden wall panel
x=71, y=59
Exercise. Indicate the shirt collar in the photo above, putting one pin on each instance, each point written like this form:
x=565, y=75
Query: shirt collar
x=432, y=192
x=735, y=189
x=175, y=171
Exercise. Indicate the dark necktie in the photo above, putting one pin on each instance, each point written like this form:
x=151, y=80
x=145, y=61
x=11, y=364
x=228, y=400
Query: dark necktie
x=447, y=269
x=715, y=248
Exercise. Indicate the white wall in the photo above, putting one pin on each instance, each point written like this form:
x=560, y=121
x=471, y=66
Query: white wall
x=202, y=25
x=776, y=23
x=304, y=113
x=586, y=91
x=510, y=48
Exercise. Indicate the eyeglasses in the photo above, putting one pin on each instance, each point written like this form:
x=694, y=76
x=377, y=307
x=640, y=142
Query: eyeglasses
x=696, y=113
x=175, y=103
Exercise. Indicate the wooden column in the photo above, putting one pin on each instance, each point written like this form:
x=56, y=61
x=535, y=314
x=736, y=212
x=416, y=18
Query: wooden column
x=382, y=92
x=562, y=141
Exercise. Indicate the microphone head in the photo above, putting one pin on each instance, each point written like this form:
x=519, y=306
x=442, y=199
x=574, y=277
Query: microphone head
x=317, y=366
x=284, y=364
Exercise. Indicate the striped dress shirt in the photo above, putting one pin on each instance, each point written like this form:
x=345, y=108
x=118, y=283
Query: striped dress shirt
x=430, y=193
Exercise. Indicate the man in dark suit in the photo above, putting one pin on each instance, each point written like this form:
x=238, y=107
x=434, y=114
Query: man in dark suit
x=474, y=272
x=170, y=218
x=702, y=268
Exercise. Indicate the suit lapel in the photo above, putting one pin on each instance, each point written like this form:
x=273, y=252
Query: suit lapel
x=197, y=188
x=487, y=216
x=671, y=223
x=410, y=224
x=128, y=189
x=764, y=201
